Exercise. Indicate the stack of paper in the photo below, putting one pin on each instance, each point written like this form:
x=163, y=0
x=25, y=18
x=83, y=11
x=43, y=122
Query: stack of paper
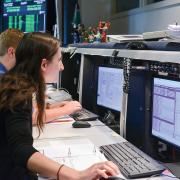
x=125, y=38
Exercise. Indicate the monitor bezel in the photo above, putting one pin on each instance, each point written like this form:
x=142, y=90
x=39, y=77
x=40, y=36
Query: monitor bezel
x=106, y=66
x=151, y=114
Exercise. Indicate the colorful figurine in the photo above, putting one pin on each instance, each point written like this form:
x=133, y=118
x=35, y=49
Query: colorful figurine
x=90, y=35
x=80, y=30
x=81, y=35
x=98, y=36
x=103, y=27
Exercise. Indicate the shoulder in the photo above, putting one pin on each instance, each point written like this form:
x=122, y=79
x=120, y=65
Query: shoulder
x=2, y=69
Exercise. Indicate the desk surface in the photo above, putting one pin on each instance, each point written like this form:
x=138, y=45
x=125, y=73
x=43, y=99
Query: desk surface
x=99, y=134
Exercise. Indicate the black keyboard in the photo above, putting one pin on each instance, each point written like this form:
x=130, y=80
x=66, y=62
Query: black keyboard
x=132, y=162
x=84, y=115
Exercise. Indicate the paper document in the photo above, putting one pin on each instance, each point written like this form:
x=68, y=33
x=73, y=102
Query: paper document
x=61, y=119
x=78, y=153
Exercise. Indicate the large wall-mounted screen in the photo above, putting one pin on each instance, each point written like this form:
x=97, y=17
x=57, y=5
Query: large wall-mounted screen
x=26, y=15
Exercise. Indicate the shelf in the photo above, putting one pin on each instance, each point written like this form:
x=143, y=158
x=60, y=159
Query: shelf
x=150, y=55
x=162, y=56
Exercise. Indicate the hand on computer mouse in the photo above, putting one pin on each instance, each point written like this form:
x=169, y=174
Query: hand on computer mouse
x=100, y=170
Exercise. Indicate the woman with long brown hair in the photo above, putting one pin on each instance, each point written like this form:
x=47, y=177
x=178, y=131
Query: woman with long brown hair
x=38, y=60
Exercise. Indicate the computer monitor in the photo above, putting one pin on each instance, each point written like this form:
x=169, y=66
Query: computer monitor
x=110, y=87
x=166, y=110
x=26, y=15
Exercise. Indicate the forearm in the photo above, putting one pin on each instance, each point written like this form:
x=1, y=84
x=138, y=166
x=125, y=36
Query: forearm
x=55, y=113
x=46, y=167
x=56, y=105
x=51, y=114
x=42, y=165
x=66, y=108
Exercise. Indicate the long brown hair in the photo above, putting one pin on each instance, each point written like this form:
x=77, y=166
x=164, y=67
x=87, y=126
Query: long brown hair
x=25, y=79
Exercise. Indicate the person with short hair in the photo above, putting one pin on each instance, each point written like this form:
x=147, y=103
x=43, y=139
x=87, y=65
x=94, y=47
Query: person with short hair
x=9, y=40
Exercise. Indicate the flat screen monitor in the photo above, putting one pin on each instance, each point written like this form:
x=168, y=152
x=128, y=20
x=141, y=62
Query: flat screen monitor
x=166, y=110
x=110, y=88
x=26, y=15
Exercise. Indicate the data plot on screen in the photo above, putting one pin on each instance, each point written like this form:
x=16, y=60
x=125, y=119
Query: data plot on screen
x=166, y=110
x=110, y=87
x=26, y=15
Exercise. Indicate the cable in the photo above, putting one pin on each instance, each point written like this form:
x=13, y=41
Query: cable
x=126, y=72
x=97, y=125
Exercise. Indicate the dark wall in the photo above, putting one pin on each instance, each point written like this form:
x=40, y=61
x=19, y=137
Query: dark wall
x=68, y=12
x=51, y=16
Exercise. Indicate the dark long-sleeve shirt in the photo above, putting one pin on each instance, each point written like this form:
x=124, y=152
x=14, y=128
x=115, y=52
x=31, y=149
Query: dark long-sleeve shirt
x=15, y=141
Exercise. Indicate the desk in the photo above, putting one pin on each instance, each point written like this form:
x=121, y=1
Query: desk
x=65, y=130
x=161, y=52
x=98, y=129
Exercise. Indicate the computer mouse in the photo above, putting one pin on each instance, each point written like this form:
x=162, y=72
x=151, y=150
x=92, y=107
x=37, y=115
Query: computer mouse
x=81, y=124
x=112, y=178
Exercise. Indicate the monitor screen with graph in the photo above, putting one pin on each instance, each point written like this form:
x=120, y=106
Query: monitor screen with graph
x=110, y=87
x=26, y=15
x=166, y=110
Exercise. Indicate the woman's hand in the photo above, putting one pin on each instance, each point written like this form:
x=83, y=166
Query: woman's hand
x=102, y=169
x=71, y=107
x=94, y=172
